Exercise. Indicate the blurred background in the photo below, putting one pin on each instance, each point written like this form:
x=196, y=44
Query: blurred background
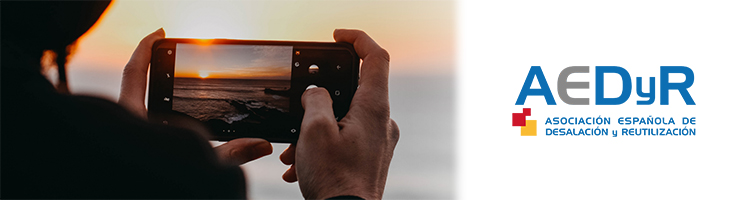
x=419, y=35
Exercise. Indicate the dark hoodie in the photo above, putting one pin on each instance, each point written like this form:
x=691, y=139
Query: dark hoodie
x=63, y=146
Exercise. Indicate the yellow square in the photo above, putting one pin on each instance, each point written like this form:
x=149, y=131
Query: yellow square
x=529, y=129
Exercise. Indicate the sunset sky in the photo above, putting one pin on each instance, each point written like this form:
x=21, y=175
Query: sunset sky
x=419, y=35
x=233, y=61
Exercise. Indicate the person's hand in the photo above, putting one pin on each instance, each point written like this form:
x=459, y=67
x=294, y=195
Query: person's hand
x=352, y=156
x=133, y=96
x=133, y=86
x=242, y=150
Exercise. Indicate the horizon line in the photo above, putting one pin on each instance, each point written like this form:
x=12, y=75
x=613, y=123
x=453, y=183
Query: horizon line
x=236, y=78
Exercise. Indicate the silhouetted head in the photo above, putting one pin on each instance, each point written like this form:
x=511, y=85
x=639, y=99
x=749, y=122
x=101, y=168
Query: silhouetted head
x=31, y=27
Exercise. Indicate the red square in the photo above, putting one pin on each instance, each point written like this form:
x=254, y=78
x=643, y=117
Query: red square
x=519, y=119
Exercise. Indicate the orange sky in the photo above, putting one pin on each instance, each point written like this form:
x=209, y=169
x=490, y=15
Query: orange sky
x=228, y=61
x=418, y=34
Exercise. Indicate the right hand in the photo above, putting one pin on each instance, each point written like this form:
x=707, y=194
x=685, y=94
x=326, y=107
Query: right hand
x=352, y=156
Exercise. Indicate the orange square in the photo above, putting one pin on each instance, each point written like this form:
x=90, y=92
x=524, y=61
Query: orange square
x=529, y=129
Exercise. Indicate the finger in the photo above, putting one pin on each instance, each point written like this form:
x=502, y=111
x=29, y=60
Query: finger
x=287, y=157
x=371, y=98
x=375, y=62
x=318, y=119
x=240, y=151
x=290, y=175
x=133, y=88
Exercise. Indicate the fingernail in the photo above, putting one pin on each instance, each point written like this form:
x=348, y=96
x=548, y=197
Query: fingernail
x=160, y=30
x=311, y=87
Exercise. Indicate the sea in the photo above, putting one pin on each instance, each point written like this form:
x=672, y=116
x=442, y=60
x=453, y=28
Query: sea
x=206, y=99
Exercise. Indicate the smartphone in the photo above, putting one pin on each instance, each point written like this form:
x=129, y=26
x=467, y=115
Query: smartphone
x=247, y=88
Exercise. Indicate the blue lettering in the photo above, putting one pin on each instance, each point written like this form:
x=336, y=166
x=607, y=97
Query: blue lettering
x=626, y=85
x=535, y=71
x=680, y=87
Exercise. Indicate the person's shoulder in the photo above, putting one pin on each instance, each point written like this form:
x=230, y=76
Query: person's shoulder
x=171, y=155
x=96, y=117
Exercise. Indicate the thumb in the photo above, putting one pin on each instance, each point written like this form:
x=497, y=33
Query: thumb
x=318, y=118
x=242, y=150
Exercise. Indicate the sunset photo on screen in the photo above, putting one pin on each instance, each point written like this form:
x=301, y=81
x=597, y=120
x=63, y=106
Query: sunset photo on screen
x=231, y=85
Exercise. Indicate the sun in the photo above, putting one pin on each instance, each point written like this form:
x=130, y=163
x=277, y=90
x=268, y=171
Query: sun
x=203, y=74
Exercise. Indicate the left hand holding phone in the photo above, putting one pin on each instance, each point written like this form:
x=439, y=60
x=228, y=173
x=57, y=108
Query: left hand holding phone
x=133, y=96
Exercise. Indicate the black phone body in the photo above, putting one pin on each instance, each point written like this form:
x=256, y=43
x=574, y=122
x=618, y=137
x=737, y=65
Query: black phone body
x=246, y=88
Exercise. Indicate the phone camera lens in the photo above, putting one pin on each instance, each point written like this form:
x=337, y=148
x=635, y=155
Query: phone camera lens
x=313, y=69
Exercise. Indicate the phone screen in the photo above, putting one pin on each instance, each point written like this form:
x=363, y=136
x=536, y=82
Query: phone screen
x=246, y=88
x=233, y=85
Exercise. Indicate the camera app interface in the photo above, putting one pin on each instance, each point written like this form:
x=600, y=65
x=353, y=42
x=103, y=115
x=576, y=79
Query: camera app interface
x=233, y=87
